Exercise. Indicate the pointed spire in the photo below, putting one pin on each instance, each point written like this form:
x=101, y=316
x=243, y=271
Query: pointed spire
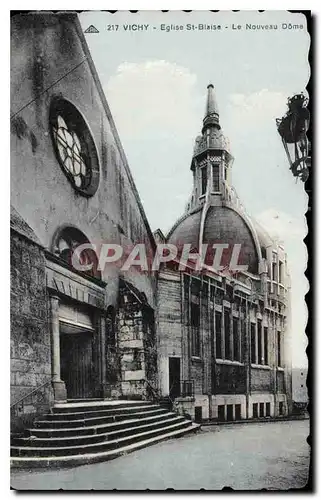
x=211, y=112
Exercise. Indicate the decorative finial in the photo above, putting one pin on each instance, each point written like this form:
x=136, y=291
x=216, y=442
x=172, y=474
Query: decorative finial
x=211, y=112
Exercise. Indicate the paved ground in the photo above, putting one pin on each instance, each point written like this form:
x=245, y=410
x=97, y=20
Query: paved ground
x=242, y=456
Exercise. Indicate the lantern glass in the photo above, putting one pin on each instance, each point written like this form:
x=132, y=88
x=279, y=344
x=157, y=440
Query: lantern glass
x=292, y=129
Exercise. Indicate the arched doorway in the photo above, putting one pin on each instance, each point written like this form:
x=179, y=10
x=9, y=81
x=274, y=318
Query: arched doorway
x=79, y=320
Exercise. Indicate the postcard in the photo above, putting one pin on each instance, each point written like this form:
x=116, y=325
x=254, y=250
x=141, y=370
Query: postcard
x=160, y=179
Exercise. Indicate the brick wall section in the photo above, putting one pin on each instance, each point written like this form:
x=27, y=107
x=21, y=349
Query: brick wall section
x=30, y=335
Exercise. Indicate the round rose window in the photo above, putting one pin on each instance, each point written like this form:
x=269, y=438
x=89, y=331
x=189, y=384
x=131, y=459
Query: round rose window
x=74, y=147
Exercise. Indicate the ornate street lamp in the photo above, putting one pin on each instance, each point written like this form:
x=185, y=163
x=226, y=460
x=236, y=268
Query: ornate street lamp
x=292, y=129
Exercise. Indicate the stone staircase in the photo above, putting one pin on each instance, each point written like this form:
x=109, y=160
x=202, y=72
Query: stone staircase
x=76, y=433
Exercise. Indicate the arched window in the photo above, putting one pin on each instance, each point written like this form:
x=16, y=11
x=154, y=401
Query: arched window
x=67, y=241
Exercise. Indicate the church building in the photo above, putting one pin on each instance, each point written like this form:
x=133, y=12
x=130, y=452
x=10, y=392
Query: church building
x=102, y=346
x=224, y=337
x=75, y=334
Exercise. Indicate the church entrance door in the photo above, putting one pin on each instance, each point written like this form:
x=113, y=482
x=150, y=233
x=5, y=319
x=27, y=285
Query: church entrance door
x=77, y=351
x=76, y=359
x=174, y=377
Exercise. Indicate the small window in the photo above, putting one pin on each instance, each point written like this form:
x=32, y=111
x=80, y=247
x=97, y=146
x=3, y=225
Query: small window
x=255, y=410
x=221, y=413
x=204, y=180
x=261, y=409
x=216, y=178
x=229, y=413
x=268, y=409
x=281, y=408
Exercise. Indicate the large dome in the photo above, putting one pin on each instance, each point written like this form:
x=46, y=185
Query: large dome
x=222, y=225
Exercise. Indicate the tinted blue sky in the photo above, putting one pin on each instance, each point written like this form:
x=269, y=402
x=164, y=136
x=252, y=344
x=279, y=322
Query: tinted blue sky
x=155, y=83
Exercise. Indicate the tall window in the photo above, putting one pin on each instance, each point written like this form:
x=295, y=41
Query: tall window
x=280, y=272
x=236, y=340
x=216, y=177
x=253, y=343
x=279, y=348
x=195, y=323
x=218, y=334
x=266, y=350
x=203, y=180
x=243, y=338
x=274, y=271
x=259, y=342
x=227, y=334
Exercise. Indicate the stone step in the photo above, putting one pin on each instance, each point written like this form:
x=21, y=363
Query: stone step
x=92, y=405
x=87, y=422
x=82, y=400
x=97, y=430
x=98, y=413
x=130, y=438
x=74, y=460
x=110, y=435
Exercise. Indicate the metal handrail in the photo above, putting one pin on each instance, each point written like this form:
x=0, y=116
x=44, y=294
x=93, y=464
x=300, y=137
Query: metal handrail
x=187, y=388
x=155, y=391
x=30, y=393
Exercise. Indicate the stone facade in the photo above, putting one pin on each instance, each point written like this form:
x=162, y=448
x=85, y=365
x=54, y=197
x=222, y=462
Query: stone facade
x=30, y=339
x=52, y=303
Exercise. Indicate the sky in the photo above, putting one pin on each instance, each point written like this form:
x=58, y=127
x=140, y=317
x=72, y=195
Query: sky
x=155, y=83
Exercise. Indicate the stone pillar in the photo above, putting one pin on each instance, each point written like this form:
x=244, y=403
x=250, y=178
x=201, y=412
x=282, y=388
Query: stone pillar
x=59, y=387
